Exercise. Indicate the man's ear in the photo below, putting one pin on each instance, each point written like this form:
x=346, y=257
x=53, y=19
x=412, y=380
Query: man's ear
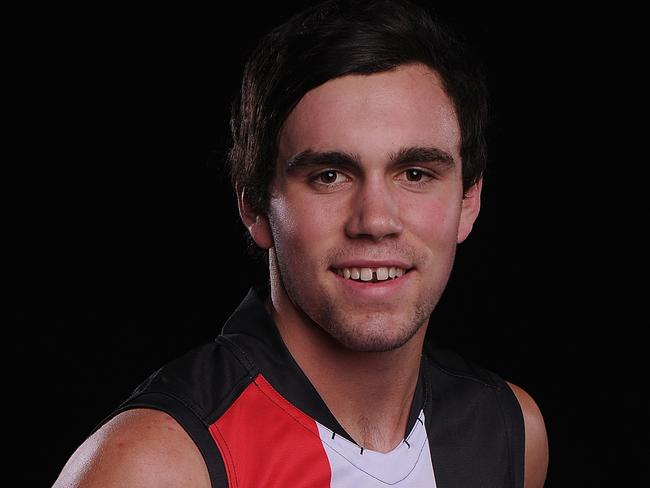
x=257, y=224
x=470, y=209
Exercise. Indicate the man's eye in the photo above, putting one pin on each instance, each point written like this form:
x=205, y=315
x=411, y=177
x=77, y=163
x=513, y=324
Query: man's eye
x=327, y=177
x=416, y=177
x=414, y=174
x=330, y=179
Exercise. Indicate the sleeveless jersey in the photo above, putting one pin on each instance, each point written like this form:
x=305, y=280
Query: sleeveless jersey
x=259, y=422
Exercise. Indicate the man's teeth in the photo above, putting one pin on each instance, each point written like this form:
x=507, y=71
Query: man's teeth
x=370, y=274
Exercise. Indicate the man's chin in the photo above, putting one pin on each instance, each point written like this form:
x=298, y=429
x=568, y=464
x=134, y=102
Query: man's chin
x=374, y=343
x=372, y=332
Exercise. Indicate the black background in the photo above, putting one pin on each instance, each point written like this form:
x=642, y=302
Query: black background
x=125, y=248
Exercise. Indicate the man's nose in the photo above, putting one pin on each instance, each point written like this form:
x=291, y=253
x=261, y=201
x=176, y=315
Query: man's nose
x=375, y=211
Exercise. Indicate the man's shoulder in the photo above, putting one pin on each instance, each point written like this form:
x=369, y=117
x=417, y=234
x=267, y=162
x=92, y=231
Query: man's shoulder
x=140, y=447
x=165, y=420
x=536, y=438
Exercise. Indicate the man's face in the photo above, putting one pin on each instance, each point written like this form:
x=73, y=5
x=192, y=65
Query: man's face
x=367, y=206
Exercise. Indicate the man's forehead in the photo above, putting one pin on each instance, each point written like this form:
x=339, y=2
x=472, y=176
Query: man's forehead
x=391, y=110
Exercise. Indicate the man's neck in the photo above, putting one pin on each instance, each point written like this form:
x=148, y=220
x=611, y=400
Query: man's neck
x=369, y=393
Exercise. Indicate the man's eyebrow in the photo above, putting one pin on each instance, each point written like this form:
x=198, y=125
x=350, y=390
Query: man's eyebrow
x=422, y=154
x=411, y=154
x=321, y=158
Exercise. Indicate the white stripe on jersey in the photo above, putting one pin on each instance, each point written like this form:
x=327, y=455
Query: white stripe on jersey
x=408, y=465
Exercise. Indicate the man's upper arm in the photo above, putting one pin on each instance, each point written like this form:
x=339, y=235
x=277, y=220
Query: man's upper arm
x=536, y=451
x=138, y=448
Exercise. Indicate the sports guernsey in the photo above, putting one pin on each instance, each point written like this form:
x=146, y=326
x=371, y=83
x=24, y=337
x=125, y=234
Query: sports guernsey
x=258, y=421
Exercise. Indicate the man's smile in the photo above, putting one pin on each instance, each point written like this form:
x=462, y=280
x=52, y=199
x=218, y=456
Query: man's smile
x=370, y=274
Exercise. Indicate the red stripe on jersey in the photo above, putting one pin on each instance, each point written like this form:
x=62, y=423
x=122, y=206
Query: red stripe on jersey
x=267, y=442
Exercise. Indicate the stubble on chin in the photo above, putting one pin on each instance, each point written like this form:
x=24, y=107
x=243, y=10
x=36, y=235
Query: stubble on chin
x=370, y=332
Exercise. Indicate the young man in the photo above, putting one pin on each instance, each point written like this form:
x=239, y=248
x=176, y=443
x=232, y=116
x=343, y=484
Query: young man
x=357, y=160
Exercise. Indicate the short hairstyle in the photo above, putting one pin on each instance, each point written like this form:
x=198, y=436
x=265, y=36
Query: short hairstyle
x=337, y=38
